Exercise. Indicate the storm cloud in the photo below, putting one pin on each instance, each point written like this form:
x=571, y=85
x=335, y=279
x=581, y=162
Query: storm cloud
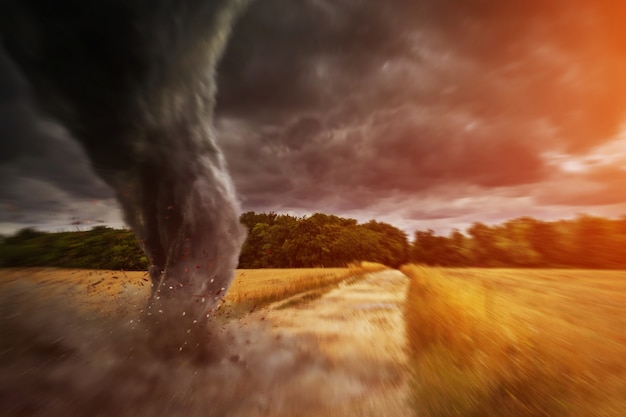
x=46, y=179
x=342, y=106
x=420, y=113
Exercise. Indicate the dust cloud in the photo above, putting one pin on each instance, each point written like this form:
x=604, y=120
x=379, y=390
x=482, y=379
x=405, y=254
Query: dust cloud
x=57, y=361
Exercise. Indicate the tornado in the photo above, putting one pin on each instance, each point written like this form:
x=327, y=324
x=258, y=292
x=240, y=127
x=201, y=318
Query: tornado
x=133, y=81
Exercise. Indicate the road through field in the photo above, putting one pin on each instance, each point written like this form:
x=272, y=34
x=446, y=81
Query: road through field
x=359, y=332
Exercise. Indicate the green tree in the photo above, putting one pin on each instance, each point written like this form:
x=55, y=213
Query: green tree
x=484, y=247
x=392, y=247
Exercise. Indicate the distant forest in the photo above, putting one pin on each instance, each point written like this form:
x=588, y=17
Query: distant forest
x=321, y=240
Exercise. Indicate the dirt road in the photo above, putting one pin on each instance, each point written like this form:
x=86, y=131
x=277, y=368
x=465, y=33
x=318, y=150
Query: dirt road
x=359, y=330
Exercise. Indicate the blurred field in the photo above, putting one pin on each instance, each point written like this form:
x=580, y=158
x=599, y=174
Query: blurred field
x=94, y=290
x=517, y=342
x=121, y=291
x=481, y=342
x=340, y=353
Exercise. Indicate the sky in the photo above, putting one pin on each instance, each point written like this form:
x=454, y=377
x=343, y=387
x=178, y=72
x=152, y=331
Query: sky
x=428, y=114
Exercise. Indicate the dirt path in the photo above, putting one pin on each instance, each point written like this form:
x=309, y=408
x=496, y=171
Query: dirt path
x=359, y=329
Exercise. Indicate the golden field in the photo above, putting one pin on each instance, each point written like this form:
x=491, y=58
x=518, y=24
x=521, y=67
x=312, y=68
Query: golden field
x=481, y=342
x=102, y=290
x=253, y=288
x=517, y=342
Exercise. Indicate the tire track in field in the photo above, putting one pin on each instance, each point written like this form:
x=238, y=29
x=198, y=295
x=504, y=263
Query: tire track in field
x=359, y=330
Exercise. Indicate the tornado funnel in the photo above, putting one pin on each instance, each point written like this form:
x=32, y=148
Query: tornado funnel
x=133, y=81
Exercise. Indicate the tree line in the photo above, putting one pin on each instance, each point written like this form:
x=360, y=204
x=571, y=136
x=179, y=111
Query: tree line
x=274, y=241
x=322, y=240
x=284, y=241
x=99, y=248
x=583, y=242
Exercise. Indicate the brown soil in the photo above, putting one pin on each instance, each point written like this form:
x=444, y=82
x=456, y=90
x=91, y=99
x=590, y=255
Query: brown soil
x=359, y=328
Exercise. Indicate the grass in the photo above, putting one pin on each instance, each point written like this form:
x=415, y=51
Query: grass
x=505, y=342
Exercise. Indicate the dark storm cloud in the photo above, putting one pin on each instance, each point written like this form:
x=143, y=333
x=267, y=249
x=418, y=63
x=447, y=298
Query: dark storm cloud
x=55, y=158
x=359, y=164
x=489, y=57
x=334, y=105
x=285, y=54
x=16, y=114
x=43, y=173
x=345, y=102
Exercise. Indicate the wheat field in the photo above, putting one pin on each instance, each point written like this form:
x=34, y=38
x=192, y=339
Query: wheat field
x=119, y=291
x=517, y=342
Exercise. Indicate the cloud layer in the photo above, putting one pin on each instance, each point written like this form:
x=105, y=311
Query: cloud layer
x=425, y=114
x=355, y=105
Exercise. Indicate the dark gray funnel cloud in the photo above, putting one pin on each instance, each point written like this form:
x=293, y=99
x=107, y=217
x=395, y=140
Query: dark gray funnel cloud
x=133, y=81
